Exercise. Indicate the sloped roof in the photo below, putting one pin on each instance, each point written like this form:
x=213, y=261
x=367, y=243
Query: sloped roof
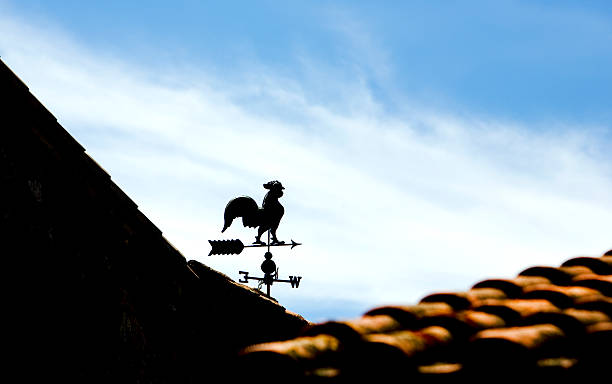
x=98, y=293
x=553, y=322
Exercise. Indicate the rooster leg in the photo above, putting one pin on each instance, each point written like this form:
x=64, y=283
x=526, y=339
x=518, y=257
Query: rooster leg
x=274, y=238
x=260, y=231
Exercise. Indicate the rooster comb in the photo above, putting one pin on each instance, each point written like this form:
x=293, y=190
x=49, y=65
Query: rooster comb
x=273, y=185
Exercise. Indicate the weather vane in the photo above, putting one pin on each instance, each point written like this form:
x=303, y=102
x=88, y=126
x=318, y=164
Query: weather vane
x=267, y=218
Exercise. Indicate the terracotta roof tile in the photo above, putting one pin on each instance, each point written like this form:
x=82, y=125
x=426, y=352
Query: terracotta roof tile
x=587, y=317
x=596, y=264
x=302, y=349
x=411, y=316
x=555, y=275
x=456, y=300
x=412, y=343
x=465, y=300
x=546, y=321
x=561, y=296
x=440, y=369
x=466, y=323
x=479, y=320
x=601, y=283
x=572, y=324
x=375, y=324
x=607, y=258
x=512, y=287
x=602, y=327
x=508, y=350
x=603, y=304
x=589, y=276
x=354, y=329
x=575, y=270
x=530, y=338
x=513, y=310
x=557, y=363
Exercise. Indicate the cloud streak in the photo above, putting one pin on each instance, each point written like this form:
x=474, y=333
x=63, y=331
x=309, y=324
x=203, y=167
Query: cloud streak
x=389, y=206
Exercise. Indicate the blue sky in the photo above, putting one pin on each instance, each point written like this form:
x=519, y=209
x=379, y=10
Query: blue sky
x=424, y=145
x=521, y=60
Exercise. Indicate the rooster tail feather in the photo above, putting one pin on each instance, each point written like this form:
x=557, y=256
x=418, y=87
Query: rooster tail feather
x=244, y=207
x=226, y=225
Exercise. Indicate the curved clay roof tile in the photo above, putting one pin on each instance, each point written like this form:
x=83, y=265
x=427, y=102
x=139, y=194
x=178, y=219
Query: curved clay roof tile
x=410, y=316
x=555, y=275
x=601, y=283
x=465, y=300
x=596, y=264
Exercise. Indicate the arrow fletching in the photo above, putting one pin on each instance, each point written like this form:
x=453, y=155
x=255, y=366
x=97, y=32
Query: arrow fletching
x=225, y=247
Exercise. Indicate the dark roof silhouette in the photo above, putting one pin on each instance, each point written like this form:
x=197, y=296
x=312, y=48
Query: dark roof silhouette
x=97, y=293
x=553, y=323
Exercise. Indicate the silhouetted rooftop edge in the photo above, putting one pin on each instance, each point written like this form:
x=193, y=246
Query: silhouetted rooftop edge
x=94, y=275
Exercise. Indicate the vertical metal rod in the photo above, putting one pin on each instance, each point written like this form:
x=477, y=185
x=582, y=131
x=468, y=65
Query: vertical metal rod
x=268, y=284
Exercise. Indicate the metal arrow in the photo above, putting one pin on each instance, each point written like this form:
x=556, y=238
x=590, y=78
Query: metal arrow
x=235, y=247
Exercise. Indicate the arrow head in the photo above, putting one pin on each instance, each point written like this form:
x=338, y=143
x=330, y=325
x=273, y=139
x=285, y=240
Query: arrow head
x=294, y=244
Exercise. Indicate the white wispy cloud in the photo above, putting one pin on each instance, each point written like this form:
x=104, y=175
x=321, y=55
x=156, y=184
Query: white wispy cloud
x=389, y=207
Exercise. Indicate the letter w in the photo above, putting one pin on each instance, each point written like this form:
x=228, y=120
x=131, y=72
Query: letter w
x=295, y=281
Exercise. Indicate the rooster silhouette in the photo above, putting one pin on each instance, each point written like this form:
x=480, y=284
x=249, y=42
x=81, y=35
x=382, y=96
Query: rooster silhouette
x=266, y=218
